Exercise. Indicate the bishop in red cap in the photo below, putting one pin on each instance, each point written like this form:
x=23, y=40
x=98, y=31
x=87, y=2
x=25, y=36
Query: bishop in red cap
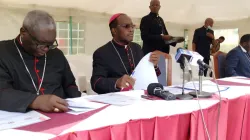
x=114, y=17
x=114, y=62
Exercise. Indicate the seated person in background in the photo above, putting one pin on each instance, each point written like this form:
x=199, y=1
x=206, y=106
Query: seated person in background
x=238, y=59
x=114, y=62
x=34, y=74
x=216, y=45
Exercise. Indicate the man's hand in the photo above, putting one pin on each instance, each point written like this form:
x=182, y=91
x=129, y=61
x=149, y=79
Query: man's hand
x=166, y=37
x=154, y=58
x=210, y=35
x=125, y=81
x=49, y=103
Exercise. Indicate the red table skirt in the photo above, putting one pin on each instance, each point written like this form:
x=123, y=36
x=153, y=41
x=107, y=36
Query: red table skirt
x=172, y=128
x=233, y=125
x=177, y=127
x=245, y=135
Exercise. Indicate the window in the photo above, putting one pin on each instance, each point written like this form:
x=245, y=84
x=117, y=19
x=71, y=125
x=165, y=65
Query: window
x=137, y=36
x=64, y=38
x=231, y=38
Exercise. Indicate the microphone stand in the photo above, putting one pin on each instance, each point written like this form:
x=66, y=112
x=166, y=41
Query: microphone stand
x=183, y=96
x=201, y=94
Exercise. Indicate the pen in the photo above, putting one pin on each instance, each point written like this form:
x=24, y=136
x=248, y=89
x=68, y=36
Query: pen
x=131, y=76
x=132, y=73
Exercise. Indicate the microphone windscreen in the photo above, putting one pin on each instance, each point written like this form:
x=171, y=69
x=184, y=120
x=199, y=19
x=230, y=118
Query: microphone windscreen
x=152, y=86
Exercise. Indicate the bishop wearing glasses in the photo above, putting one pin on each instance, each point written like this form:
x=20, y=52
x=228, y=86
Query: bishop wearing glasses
x=34, y=73
x=114, y=62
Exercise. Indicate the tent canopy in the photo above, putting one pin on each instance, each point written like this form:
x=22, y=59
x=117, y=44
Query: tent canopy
x=176, y=11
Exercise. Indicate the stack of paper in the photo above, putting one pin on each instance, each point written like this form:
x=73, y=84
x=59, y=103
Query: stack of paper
x=81, y=105
x=116, y=99
x=10, y=120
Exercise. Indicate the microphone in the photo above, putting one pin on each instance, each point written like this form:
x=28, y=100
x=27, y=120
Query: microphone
x=202, y=64
x=188, y=66
x=193, y=58
x=156, y=89
x=182, y=53
x=182, y=62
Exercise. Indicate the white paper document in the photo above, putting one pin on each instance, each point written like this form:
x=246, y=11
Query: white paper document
x=10, y=120
x=177, y=90
x=236, y=80
x=144, y=74
x=207, y=86
x=116, y=99
x=81, y=105
x=80, y=111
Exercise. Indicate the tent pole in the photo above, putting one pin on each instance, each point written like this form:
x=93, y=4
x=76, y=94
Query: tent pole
x=70, y=34
x=185, y=37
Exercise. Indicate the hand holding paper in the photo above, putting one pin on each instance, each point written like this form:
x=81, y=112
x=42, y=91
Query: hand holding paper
x=154, y=58
x=144, y=74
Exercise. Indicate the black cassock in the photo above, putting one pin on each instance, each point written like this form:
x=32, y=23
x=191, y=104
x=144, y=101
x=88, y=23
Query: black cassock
x=152, y=26
x=108, y=65
x=16, y=88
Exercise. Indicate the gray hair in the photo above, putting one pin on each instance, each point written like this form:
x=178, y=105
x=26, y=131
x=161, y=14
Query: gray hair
x=36, y=20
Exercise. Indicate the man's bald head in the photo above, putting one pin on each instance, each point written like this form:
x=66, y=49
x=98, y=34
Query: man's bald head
x=154, y=1
x=209, y=22
x=155, y=6
x=37, y=20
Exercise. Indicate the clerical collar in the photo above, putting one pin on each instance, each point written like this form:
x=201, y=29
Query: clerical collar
x=119, y=45
x=18, y=41
x=154, y=14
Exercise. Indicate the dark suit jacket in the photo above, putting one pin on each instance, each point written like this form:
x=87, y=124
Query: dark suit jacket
x=237, y=63
x=152, y=26
x=202, y=41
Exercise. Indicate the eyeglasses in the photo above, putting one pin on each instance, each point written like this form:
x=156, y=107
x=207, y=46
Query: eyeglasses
x=50, y=47
x=127, y=26
x=41, y=45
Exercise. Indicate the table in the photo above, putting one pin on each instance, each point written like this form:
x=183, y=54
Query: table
x=154, y=120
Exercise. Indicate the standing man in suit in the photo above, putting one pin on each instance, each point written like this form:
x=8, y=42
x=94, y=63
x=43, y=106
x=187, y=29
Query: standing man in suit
x=203, y=38
x=238, y=59
x=153, y=31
